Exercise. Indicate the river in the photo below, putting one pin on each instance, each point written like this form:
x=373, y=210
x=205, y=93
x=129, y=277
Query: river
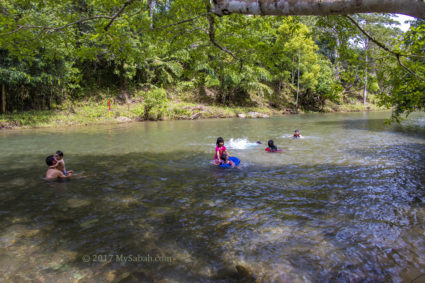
x=346, y=203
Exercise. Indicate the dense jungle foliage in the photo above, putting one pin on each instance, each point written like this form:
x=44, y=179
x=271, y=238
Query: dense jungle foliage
x=56, y=52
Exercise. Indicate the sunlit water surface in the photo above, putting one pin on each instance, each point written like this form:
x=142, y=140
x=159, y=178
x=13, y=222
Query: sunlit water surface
x=344, y=204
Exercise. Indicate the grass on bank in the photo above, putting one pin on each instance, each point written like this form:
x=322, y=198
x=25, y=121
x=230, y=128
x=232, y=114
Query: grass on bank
x=85, y=113
x=97, y=112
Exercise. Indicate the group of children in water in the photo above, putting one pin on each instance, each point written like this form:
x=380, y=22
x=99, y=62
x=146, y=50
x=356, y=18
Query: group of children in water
x=221, y=156
x=57, y=169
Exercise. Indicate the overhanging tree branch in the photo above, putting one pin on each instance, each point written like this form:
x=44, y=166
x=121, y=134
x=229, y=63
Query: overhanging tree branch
x=398, y=55
x=371, y=38
x=119, y=12
x=211, y=32
x=410, y=71
x=414, y=8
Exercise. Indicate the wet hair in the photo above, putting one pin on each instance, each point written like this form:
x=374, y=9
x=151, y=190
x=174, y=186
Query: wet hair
x=271, y=145
x=50, y=160
x=223, y=157
x=60, y=153
x=296, y=131
x=258, y=142
x=219, y=140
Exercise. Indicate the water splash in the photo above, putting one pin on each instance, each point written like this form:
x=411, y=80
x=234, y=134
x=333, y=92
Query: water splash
x=242, y=143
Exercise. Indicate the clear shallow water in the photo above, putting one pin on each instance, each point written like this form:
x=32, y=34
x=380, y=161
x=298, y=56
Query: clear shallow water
x=344, y=204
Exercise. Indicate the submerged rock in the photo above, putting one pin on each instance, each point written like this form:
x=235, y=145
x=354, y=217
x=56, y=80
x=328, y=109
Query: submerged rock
x=245, y=274
x=89, y=223
x=159, y=212
x=239, y=273
x=74, y=203
x=15, y=232
x=136, y=276
x=128, y=201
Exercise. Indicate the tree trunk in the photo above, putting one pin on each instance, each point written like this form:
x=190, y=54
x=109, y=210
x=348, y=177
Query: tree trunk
x=414, y=8
x=365, y=81
x=151, y=9
x=3, y=99
x=293, y=71
x=365, y=71
x=123, y=79
x=298, y=77
x=336, y=56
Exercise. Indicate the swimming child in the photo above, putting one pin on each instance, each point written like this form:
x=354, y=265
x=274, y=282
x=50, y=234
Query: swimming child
x=219, y=150
x=52, y=172
x=60, y=165
x=296, y=135
x=224, y=160
x=272, y=147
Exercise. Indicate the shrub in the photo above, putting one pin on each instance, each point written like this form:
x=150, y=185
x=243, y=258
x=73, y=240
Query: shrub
x=154, y=99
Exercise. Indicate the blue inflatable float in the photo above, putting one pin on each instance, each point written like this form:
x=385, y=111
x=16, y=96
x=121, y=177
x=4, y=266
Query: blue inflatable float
x=234, y=159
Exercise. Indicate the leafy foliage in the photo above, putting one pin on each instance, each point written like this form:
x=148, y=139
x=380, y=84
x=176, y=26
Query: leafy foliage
x=153, y=99
x=408, y=90
x=52, y=52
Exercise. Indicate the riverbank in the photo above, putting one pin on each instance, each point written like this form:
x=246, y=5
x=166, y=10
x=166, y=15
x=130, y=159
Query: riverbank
x=89, y=113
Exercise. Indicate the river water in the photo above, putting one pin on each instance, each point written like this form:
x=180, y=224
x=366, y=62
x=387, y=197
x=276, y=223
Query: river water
x=346, y=203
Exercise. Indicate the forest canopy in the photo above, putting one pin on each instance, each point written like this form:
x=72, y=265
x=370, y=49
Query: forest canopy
x=52, y=52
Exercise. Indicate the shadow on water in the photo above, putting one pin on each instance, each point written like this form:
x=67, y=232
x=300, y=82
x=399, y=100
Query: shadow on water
x=286, y=223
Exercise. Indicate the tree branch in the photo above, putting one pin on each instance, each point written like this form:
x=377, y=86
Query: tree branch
x=371, y=38
x=381, y=45
x=119, y=12
x=211, y=32
x=410, y=71
x=414, y=8
x=54, y=29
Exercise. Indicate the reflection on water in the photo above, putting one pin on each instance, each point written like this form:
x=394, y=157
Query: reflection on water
x=344, y=204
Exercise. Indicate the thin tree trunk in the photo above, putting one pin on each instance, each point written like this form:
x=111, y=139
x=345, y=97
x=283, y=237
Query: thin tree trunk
x=292, y=76
x=151, y=9
x=365, y=71
x=336, y=55
x=3, y=99
x=414, y=8
x=365, y=82
x=293, y=71
x=298, y=78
